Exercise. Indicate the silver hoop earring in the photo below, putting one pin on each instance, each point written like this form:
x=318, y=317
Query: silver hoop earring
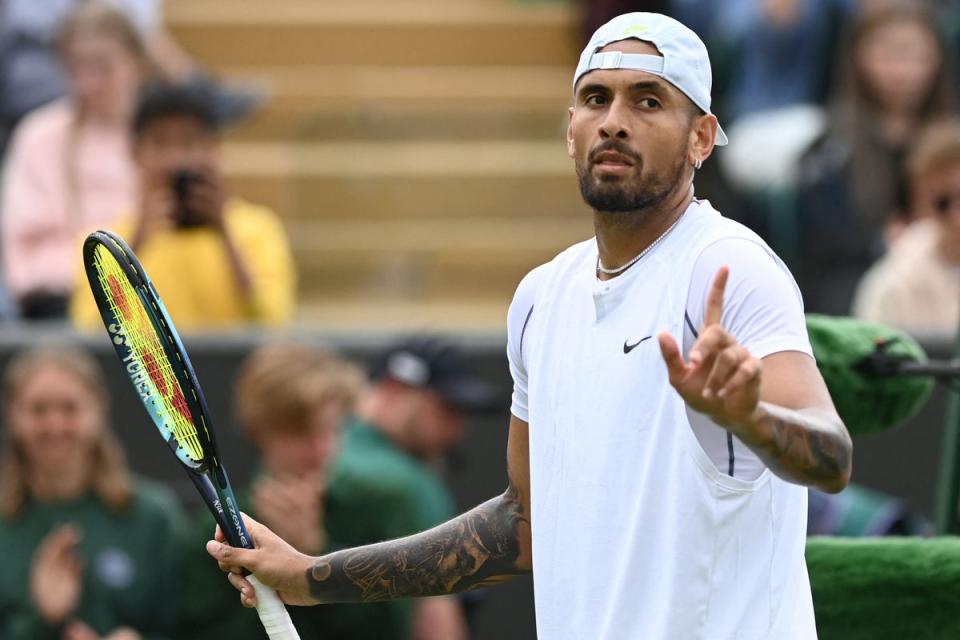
x=697, y=164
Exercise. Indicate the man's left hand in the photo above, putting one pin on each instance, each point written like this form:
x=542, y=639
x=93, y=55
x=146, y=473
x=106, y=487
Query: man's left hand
x=721, y=378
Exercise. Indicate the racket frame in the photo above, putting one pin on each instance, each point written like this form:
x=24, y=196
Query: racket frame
x=209, y=476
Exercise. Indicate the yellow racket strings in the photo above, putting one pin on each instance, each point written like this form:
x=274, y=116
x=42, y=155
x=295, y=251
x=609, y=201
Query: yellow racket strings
x=146, y=350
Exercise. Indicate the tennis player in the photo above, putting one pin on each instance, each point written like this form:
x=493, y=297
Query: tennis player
x=655, y=495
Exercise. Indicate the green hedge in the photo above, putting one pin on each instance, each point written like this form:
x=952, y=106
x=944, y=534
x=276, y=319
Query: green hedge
x=886, y=588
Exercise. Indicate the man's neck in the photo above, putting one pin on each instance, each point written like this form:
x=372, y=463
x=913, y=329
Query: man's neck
x=623, y=236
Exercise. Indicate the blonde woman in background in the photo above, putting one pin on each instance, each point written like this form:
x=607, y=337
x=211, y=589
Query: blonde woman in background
x=69, y=168
x=896, y=77
x=916, y=285
x=89, y=552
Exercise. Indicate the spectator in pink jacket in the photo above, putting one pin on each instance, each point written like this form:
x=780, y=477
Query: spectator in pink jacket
x=69, y=168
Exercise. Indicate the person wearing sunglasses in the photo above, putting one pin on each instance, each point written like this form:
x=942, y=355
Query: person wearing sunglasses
x=916, y=285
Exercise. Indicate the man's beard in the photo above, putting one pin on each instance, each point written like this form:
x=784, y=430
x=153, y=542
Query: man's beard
x=617, y=195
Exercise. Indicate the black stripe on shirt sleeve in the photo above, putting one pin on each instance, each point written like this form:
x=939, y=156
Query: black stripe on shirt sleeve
x=732, y=459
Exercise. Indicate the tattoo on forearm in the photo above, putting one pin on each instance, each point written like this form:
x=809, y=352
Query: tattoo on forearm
x=805, y=447
x=479, y=548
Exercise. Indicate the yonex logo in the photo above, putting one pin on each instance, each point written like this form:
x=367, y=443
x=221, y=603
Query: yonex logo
x=138, y=376
x=119, y=336
x=635, y=29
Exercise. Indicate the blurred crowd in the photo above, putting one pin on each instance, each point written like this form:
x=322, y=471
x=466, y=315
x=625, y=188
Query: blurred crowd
x=94, y=551
x=844, y=155
x=107, y=123
x=842, y=117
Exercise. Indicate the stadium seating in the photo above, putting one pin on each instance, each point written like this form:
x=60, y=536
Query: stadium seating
x=414, y=148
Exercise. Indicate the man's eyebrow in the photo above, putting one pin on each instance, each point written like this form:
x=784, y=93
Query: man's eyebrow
x=648, y=85
x=593, y=87
x=636, y=87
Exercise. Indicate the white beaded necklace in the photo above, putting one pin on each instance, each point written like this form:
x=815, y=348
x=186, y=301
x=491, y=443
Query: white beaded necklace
x=621, y=269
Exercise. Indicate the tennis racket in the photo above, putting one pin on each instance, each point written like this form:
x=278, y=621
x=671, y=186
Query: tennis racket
x=158, y=366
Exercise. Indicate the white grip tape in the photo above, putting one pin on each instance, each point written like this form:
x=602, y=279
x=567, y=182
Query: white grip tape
x=276, y=621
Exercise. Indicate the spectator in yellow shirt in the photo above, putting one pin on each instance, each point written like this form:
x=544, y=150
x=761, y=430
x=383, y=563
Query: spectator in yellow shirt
x=216, y=260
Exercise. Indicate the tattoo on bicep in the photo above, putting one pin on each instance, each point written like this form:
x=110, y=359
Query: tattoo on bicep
x=479, y=548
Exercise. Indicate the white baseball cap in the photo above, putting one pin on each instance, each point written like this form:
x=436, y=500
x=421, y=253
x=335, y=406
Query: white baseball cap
x=683, y=62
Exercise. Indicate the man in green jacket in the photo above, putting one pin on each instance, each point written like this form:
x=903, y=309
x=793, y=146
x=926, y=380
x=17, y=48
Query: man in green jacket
x=292, y=400
x=407, y=421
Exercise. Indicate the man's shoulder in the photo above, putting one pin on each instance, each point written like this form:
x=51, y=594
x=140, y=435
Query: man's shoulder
x=754, y=269
x=713, y=226
x=526, y=292
x=722, y=240
x=572, y=255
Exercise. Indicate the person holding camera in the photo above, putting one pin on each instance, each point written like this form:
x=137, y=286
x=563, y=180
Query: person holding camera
x=216, y=260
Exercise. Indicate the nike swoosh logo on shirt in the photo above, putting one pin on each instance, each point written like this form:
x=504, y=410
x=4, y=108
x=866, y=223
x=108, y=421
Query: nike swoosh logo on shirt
x=627, y=348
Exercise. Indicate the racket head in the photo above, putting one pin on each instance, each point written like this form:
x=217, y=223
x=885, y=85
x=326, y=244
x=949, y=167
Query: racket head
x=149, y=349
x=157, y=365
x=155, y=361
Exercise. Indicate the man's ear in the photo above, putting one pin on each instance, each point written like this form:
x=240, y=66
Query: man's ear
x=703, y=136
x=570, y=147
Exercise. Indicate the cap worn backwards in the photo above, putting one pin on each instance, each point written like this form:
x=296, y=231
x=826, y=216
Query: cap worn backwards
x=683, y=59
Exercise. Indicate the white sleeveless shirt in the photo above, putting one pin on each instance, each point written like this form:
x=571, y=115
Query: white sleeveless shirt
x=637, y=535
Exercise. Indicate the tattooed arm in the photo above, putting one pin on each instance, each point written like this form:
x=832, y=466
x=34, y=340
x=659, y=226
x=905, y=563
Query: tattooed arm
x=809, y=447
x=778, y=406
x=794, y=427
x=477, y=549
x=485, y=546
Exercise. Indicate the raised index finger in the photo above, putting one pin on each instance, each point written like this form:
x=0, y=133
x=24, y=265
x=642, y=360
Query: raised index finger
x=714, y=309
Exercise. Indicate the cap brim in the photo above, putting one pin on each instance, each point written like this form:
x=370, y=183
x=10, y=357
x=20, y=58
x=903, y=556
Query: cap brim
x=721, y=137
x=469, y=395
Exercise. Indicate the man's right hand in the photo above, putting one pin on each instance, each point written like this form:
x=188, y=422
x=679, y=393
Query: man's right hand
x=275, y=563
x=56, y=576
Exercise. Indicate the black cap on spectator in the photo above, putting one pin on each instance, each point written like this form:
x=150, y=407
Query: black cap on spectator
x=435, y=363
x=165, y=100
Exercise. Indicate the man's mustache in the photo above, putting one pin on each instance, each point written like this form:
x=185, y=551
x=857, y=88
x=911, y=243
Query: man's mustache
x=617, y=147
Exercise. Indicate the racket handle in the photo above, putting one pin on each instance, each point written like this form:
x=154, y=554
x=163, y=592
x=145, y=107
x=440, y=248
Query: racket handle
x=276, y=621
